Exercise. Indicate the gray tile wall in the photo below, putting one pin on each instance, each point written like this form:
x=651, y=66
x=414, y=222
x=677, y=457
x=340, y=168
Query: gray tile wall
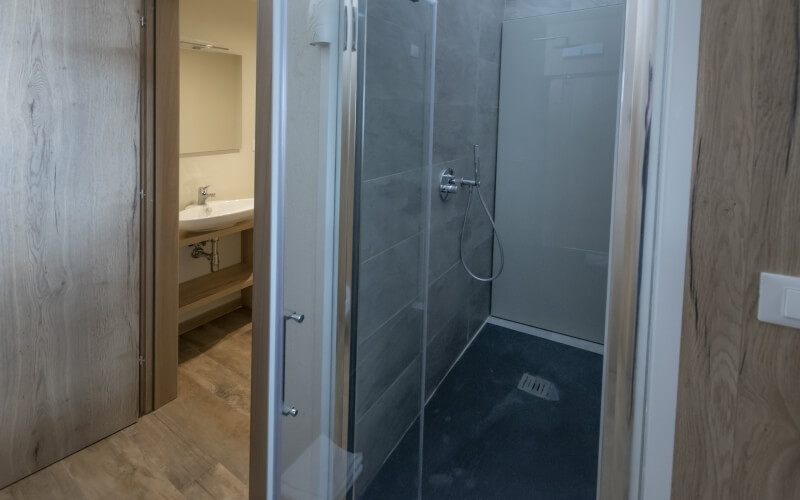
x=393, y=224
x=390, y=313
x=395, y=184
x=467, y=99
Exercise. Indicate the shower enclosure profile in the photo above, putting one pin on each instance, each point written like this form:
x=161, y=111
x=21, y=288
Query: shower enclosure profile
x=441, y=228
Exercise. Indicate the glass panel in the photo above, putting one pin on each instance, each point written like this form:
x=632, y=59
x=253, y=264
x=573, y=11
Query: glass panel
x=507, y=415
x=392, y=200
x=558, y=115
x=313, y=459
x=376, y=256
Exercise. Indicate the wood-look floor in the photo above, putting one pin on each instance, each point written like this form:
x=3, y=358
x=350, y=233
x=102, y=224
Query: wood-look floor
x=195, y=447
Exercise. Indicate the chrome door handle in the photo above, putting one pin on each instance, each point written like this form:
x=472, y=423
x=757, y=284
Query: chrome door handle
x=294, y=316
x=288, y=411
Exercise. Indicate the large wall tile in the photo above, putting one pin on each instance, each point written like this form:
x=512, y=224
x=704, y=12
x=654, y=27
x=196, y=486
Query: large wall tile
x=393, y=71
x=491, y=26
x=447, y=296
x=382, y=427
x=444, y=348
x=456, y=74
x=387, y=283
x=454, y=131
x=416, y=16
x=384, y=355
x=446, y=218
x=488, y=84
x=479, y=307
x=394, y=130
x=391, y=211
x=479, y=260
x=457, y=23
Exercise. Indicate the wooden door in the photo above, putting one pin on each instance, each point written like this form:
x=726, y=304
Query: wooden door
x=738, y=423
x=69, y=227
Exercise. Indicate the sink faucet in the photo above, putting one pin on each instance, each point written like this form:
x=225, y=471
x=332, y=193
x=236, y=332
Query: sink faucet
x=203, y=195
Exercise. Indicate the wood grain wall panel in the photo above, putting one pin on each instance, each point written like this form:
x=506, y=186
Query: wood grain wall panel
x=767, y=431
x=167, y=178
x=147, y=281
x=259, y=405
x=738, y=423
x=69, y=230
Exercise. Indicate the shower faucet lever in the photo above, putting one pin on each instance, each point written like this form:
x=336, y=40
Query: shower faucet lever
x=449, y=183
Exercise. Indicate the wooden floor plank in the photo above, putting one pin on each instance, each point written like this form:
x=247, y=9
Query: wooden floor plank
x=219, y=380
x=179, y=459
x=117, y=468
x=231, y=350
x=215, y=427
x=218, y=483
x=41, y=485
x=195, y=447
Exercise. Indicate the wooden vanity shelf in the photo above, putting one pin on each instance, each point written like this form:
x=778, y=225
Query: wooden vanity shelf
x=188, y=238
x=205, y=289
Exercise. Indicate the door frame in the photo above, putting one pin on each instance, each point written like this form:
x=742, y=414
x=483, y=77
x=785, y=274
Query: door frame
x=160, y=122
x=262, y=262
x=648, y=256
x=160, y=181
x=648, y=250
x=665, y=253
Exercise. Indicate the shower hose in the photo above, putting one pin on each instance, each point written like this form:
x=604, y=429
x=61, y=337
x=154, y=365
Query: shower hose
x=495, y=234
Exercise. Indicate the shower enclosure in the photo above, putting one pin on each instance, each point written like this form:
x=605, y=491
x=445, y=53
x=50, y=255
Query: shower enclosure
x=400, y=376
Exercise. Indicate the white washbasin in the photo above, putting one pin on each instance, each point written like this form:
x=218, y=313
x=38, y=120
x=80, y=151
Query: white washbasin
x=215, y=215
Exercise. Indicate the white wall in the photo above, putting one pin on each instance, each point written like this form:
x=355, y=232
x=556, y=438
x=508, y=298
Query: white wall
x=308, y=230
x=555, y=167
x=229, y=24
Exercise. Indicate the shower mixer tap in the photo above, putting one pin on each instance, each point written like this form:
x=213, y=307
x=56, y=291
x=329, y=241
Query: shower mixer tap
x=449, y=183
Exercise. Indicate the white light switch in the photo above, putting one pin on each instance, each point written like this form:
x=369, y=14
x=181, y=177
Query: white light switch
x=779, y=300
x=791, y=304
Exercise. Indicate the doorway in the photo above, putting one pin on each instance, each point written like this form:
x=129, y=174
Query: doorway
x=328, y=392
x=419, y=249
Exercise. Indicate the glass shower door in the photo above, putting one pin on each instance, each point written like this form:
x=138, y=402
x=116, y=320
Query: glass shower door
x=350, y=202
x=391, y=214
x=308, y=456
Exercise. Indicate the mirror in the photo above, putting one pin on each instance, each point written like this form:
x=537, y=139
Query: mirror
x=210, y=101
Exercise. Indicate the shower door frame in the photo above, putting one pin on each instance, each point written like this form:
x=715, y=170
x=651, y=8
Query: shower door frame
x=648, y=247
x=645, y=124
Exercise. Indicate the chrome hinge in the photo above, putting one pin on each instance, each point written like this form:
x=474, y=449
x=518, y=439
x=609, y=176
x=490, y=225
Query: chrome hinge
x=141, y=21
x=141, y=360
x=142, y=194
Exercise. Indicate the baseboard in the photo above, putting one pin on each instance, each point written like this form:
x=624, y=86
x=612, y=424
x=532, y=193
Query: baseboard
x=548, y=335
